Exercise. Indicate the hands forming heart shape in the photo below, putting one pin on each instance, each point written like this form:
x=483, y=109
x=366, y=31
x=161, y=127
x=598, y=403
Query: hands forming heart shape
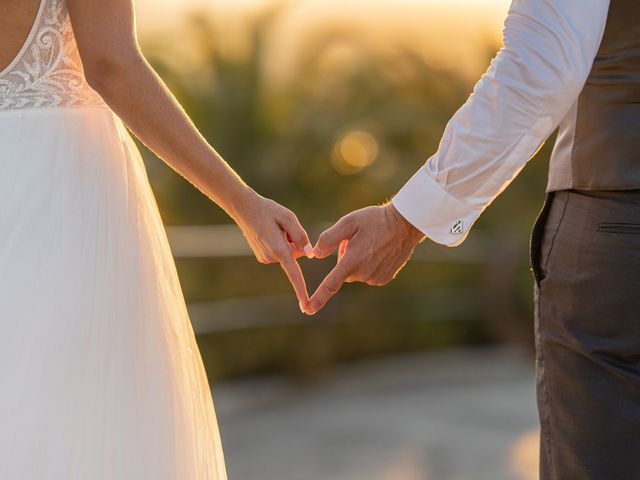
x=373, y=245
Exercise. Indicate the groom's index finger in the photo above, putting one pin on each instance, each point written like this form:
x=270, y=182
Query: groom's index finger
x=329, y=286
x=331, y=238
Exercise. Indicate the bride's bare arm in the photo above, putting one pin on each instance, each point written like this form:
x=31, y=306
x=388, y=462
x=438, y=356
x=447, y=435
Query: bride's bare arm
x=117, y=70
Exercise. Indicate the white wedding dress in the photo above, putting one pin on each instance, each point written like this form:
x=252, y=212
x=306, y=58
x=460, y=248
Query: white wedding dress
x=100, y=374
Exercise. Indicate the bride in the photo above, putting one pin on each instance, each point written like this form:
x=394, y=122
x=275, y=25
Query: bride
x=100, y=374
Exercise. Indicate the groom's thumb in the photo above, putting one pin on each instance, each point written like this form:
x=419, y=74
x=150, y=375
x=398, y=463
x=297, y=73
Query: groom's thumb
x=331, y=238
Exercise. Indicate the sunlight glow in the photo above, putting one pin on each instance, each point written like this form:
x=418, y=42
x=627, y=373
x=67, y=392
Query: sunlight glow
x=448, y=34
x=354, y=151
x=524, y=454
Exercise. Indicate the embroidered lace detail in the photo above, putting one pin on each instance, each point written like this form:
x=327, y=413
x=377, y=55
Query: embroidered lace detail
x=48, y=71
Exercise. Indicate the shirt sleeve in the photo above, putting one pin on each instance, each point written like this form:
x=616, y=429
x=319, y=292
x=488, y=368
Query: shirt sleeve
x=547, y=54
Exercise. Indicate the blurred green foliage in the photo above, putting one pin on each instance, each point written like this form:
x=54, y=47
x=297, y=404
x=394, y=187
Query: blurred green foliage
x=282, y=140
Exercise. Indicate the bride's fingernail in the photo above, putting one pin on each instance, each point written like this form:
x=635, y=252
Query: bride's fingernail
x=302, y=307
x=308, y=250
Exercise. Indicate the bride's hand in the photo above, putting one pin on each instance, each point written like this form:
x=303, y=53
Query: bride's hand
x=276, y=236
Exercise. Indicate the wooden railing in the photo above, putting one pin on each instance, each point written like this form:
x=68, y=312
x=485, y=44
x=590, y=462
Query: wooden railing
x=502, y=255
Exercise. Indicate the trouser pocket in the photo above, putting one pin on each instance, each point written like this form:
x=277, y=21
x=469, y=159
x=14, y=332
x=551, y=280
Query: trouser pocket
x=619, y=227
x=535, y=242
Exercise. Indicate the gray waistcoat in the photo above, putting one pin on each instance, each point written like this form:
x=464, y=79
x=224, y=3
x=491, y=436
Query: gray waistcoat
x=598, y=146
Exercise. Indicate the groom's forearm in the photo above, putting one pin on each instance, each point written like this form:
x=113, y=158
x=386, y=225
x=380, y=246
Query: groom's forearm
x=529, y=87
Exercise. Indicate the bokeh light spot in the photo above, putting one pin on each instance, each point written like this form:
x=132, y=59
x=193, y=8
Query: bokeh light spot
x=354, y=151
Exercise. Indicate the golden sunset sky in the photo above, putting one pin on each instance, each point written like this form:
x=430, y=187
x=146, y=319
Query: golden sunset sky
x=449, y=33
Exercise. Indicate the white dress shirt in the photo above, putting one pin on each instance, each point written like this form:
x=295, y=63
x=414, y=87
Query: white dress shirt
x=548, y=50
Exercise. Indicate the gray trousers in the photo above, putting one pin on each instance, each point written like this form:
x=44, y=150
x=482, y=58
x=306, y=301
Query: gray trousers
x=585, y=258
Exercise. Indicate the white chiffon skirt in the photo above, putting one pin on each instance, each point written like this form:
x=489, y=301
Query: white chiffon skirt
x=100, y=374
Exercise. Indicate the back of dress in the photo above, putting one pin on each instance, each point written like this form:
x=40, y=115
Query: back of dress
x=47, y=72
x=100, y=373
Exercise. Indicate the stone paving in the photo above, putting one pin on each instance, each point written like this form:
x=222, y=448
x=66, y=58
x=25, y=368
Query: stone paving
x=458, y=414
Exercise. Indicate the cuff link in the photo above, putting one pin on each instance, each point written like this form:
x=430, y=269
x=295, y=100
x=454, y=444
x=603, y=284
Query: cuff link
x=457, y=228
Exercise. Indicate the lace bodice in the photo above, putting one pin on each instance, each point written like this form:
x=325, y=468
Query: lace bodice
x=47, y=72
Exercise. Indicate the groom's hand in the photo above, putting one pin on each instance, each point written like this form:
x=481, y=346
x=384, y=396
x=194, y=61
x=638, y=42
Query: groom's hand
x=374, y=244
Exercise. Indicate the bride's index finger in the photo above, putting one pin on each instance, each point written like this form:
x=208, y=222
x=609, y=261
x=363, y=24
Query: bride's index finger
x=296, y=278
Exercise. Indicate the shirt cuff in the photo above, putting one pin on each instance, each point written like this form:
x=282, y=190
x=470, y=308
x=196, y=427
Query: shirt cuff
x=424, y=203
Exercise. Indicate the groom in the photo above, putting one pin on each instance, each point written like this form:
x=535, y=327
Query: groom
x=573, y=64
